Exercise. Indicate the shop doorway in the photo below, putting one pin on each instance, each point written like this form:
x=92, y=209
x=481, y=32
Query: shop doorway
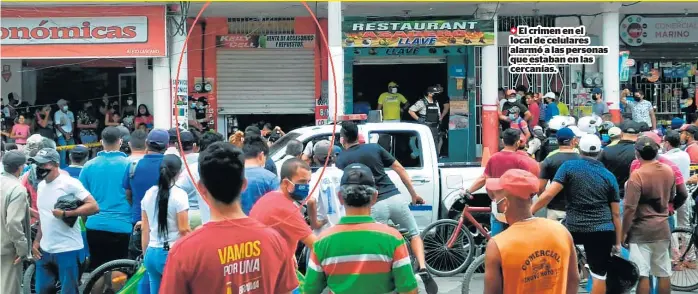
x=370, y=81
x=77, y=85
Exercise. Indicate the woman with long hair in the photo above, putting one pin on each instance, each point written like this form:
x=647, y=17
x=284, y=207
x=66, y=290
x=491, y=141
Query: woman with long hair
x=165, y=219
x=143, y=116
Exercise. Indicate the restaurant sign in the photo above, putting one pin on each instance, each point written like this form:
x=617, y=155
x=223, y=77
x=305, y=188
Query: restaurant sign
x=417, y=33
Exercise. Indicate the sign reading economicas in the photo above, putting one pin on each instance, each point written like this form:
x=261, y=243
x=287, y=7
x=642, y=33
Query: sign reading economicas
x=416, y=33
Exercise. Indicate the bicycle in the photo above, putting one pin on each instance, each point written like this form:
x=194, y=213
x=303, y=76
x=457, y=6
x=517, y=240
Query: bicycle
x=117, y=276
x=449, y=239
x=683, y=247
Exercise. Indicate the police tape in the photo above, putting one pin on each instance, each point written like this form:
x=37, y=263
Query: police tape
x=68, y=147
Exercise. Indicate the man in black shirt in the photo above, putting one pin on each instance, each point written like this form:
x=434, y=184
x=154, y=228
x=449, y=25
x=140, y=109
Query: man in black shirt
x=390, y=204
x=618, y=158
x=548, y=168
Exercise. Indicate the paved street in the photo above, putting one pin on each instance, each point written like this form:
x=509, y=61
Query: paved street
x=451, y=285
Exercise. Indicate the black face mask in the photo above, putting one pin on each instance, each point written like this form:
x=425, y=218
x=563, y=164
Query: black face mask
x=41, y=173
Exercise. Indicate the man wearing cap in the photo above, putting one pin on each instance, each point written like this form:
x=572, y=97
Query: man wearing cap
x=63, y=121
x=575, y=132
x=78, y=156
x=190, y=148
x=346, y=245
x=549, y=167
x=324, y=209
x=614, y=135
x=592, y=209
x=649, y=193
x=392, y=103
x=109, y=231
x=14, y=210
x=58, y=244
x=598, y=106
x=551, y=109
x=508, y=264
x=513, y=100
x=618, y=158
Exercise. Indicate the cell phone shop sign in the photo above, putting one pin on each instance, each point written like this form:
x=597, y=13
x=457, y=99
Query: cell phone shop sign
x=636, y=30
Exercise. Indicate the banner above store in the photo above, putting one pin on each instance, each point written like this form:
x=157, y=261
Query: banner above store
x=239, y=41
x=636, y=30
x=416, y=33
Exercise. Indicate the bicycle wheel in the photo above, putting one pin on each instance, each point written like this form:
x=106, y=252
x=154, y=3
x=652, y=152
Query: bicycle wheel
x=684, y=276
x=120, y=270
x=440, y=260
x=28, y=280
x=476, y=267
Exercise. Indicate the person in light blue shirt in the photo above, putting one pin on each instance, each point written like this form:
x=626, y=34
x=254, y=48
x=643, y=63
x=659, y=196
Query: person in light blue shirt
x=260, y=181
x=109, y=231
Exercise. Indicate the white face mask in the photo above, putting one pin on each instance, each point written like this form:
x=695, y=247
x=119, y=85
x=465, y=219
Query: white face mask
x=129, y=102
x=65, y=108
x=393, y=90
x=512, y=100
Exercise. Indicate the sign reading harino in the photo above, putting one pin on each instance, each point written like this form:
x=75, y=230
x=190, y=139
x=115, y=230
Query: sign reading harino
x=74, y=30
x=413, y=33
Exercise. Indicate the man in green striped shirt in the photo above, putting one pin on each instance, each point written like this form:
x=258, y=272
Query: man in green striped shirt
x=359, y=255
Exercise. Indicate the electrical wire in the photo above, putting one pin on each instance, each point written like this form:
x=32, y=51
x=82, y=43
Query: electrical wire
x=334, y=120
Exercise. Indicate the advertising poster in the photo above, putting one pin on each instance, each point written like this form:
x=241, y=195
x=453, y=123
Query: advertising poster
x=240, y=41
x=414, y=33
x=636, y=30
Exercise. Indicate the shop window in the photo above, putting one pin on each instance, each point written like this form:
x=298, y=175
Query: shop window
x=405, y=146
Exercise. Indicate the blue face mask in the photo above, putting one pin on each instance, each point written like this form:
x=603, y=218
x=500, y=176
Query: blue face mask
x=300, y=191
x=605, y=138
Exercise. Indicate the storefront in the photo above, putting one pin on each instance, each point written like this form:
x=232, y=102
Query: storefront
x=79, y=53
x=416, y=54
x=665, y=50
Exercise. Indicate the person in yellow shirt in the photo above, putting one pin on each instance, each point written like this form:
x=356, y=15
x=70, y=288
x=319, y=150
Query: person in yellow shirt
x=392, y=103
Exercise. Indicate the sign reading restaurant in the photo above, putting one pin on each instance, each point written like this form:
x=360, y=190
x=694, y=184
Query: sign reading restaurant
x=418, y=33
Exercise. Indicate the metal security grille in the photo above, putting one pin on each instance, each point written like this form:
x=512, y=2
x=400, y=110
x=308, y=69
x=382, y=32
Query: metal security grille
x=261, y=26
x=537, y=83
x=667, y=92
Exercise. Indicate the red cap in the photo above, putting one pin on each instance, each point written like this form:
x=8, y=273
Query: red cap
x=515, y=182
x=653, y=136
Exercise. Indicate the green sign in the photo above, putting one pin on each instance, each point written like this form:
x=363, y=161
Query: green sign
x=416, y=33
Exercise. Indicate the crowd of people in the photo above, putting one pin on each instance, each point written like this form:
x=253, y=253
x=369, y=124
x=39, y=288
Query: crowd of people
x=614, y=189
x=178, y=194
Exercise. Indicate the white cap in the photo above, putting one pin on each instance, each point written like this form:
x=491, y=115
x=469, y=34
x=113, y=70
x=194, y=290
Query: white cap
x=557, y=122
x=550, y=95
x=538, y=128
x=590, y=143
x=577, y=132
x=589, y=124
x=570, y=120
x=614, y=132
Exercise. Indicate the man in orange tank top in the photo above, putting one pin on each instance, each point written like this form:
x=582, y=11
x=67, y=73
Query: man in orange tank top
x=515, y=263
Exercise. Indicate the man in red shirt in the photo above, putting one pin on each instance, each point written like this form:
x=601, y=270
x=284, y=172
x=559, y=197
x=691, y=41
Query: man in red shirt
x=681, y=191
x=689, y=134
x=232, y=253
x=278, y=209
x=501, y=162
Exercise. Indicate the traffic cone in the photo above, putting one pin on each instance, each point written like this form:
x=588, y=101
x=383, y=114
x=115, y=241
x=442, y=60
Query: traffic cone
x=485, y=156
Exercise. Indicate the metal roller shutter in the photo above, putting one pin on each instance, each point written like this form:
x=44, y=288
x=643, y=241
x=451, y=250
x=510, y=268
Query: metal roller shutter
x=266, y=81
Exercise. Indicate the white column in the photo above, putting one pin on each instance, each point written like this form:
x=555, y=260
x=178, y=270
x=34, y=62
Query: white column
x=334, y=32
x=161, y=110
x=144, y=83
x=177, y=35
x=489, y=84
x=611, y=75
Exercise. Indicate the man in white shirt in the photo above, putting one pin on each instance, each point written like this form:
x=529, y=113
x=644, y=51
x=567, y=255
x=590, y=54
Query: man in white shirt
x=58, y=244
x=324, y=209
x=64, y=120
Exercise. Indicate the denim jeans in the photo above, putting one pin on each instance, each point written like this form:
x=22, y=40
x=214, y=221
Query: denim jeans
x=85, y=139
x=62, y=142
x=66, y=264
x=155, y=264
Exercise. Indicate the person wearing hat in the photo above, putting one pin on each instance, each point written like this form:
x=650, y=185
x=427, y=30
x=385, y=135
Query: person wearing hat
x=689, y=135
x=108, y=232
x=593, y=212
x=513, y=193
x=677, y=123
x=64, y=121
x=614, y=134
x=428, y=112
x=598, y=105
x=324, y=209
x=392, y=103
x=649, y=194
x=356, y=235
x=513, y=100
x=567, y=141
x=618, y=158
x=58, y=244
x=14, y=210
x=551, y=109
x=78, y=156
x=190, y=148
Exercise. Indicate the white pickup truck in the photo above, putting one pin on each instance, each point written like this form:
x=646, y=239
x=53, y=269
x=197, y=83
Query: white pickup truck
x=412, y=145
